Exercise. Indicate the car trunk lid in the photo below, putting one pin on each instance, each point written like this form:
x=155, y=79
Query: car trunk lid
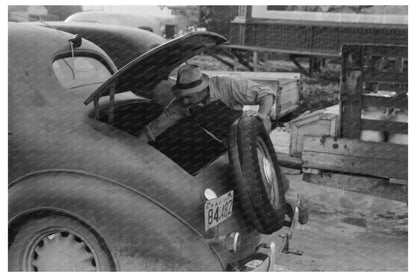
x=146, y=71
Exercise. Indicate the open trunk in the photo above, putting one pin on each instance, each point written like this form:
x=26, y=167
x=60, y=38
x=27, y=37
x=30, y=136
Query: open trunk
x=186, y=143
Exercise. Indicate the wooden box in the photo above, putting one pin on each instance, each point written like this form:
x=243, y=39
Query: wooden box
x=319, y=123
x=287, y=86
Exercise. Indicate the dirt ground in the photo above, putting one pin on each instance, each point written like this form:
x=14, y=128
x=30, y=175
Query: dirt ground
x=346, y=231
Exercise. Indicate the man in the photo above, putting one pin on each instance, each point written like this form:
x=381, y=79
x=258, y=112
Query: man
x=215, y=103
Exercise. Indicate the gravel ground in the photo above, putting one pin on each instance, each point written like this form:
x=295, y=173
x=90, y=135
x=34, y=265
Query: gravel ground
x=347, y=231
x=367, y=234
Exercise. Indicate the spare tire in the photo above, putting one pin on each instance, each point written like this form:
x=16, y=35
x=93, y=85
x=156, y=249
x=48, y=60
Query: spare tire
x=258, y=181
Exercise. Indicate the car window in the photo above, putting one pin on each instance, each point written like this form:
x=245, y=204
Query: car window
x=80, y=74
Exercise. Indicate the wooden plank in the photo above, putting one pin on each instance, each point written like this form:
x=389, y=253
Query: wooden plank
x=385, y=126
x=385, y=77
x=286, y=160
x=311, y=171
x=379, y=187
x=281, y=50
x=259, y=75
x=384, y=102
x=351, y=89
x=298, y=65
x=399, y=64
x=365, y=166
x=400, y=89
x=354, y=156
x=399, y=181
x=356, y=148
x=386, y=51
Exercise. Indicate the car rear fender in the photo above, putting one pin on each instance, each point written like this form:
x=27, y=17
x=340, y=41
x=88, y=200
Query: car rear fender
x=140, y=233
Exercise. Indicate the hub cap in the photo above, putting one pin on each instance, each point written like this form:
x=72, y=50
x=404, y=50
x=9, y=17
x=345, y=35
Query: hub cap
x=60, y=251
x=268, y=173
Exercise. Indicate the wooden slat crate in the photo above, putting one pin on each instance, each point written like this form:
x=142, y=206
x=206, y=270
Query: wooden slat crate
x=318, y=123
x=368, y=65
x=367, y=109
x=287, y=85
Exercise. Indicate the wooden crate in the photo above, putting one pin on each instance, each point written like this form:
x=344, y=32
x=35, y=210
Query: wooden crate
x=317, y=123
x=366, y=70
x=287, y=86
x=290, y=88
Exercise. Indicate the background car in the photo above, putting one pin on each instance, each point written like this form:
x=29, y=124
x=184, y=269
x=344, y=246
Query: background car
x=120, y=19
x=84, y=194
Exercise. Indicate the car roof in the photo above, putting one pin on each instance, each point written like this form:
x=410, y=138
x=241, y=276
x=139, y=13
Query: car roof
x=46, y=41
x=122, y=44
x=31, y=51
x=146, y=71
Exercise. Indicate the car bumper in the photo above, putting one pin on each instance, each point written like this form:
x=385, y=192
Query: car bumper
x=262, y=260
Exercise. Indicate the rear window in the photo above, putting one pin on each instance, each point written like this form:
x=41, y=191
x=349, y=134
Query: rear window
x=80, y=74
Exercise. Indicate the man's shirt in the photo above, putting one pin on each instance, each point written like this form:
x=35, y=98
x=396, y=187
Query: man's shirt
x=233, y=92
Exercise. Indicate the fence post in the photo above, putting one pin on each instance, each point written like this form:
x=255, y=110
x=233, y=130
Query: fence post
x=255, y=60
x=351, y=90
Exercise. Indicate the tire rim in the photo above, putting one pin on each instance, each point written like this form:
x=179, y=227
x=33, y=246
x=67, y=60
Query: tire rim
x=268, y=172
x=60, y=250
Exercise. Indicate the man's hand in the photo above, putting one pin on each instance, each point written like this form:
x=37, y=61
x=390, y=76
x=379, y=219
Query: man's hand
x=251, y=113
x=143, y=137
x=265, y=119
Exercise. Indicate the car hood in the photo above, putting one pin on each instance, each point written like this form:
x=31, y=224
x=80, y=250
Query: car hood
x=146, y=71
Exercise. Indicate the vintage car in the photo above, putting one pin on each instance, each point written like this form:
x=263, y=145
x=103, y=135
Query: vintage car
x=119, y=19
x=85, y=194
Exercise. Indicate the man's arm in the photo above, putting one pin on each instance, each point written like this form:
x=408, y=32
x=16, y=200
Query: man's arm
x=239, y=92
x=247, y=92
x=265, y=106
x=170, y=115
x=266, y=103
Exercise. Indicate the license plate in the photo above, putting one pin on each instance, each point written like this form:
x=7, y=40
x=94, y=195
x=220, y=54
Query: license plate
x=217, y=210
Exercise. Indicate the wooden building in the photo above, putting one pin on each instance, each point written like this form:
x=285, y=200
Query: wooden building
x=314, y=32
